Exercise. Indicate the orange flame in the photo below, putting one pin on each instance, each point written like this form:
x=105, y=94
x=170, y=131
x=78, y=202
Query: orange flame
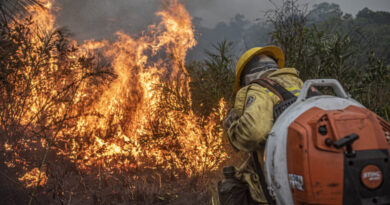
x=143, y=118
x=31, y=178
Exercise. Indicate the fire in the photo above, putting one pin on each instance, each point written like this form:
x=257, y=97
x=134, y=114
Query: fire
x=140, y=117
x=34, y=178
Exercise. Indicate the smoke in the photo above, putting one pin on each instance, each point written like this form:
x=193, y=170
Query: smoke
x=353, y=8
x=215, y=20
x=98, y=19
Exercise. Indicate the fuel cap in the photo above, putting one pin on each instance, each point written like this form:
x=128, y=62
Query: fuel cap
x=371, y=176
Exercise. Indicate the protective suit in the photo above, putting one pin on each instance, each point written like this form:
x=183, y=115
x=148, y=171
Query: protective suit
x=254, y=108
x=251, y=118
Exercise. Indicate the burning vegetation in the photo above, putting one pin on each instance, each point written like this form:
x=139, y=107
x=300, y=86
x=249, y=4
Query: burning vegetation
x=112, y=116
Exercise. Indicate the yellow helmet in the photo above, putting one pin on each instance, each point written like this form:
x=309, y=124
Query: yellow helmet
x=272, y=51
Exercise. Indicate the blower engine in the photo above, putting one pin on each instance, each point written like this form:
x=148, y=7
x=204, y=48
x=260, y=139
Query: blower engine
x=328, y=150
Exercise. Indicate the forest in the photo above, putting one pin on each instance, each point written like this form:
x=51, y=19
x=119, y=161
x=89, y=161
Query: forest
x=137, y=120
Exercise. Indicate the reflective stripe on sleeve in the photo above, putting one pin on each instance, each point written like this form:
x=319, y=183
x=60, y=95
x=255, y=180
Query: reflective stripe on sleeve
x=268, y=91
x=294, y=90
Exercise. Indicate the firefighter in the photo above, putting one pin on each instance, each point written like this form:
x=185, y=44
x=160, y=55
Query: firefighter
x=252, y=116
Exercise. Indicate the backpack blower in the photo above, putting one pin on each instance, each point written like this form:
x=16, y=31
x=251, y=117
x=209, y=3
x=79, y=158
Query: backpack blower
x=328, y=150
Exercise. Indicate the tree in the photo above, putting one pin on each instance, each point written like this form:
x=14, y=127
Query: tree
x=320, y=52
x=289, y=22
x=324, y=11
x=9, y=8
x=212, y=79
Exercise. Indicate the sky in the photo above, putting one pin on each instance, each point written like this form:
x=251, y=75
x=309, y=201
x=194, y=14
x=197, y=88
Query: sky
x=223, y=10
x=98, y=18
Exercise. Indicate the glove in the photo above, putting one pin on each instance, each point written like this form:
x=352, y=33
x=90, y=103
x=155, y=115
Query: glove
x=230, y=118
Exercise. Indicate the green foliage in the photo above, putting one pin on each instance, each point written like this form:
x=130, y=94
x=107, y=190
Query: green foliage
x=325, y=10
x=212, y=79
x=373, y=88
x=387, y=116
x=372, y=17
x=289, y=30
x=370, y=30
x=318, y=53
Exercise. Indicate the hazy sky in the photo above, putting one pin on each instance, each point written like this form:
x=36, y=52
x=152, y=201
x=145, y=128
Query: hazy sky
x=223, y=10
x=98, y=18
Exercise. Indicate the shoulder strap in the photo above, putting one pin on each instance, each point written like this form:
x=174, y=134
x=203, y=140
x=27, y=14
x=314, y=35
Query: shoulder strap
x=286, y=99
x=285, y=96
x=275, y=88
x=263, y=183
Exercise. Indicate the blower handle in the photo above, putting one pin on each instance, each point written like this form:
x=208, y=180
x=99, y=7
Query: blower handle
x=338, y=89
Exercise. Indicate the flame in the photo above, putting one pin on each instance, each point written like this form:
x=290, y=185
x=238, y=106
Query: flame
x=33, y=178
x=139, y=119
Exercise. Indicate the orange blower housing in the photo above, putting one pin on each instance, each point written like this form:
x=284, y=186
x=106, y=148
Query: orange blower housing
x=328, y=149
x=339, y=157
